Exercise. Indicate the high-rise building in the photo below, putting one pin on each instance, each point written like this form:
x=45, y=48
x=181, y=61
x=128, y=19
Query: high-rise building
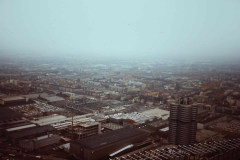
x=182, y=124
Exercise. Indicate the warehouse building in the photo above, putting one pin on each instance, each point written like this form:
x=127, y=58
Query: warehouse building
x=99, y=147
x=47, y=120
x=17, y=128
x=30, y=132
x=13, y=100
x=8, y=116
x=39, y=142
x=10, y=119
x=53, y=99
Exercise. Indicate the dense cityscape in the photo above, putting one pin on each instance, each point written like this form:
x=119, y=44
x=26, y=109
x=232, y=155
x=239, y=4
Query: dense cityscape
x=119, y=80
x=87, y=109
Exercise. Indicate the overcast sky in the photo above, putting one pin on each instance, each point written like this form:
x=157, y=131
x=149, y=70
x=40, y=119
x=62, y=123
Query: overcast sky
x=121, y=28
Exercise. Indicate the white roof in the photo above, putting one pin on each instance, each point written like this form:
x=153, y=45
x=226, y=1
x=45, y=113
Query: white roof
x=160, y=113
x=122, y=149
x=88, y=124
x=164, y=129
x=20, y=127
x=50, y=119
x=54, y=99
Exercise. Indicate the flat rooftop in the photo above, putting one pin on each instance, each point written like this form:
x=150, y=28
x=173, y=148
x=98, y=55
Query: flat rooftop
x=160, y=113
x=54, y=99
x=89, y=124
x=13, y=98
x=106, y=138
x=31, y=131
x=49, y=119
x=8, y=114
x=32, y=96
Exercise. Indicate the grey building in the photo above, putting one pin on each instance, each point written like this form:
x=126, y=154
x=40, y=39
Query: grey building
x=182, y=124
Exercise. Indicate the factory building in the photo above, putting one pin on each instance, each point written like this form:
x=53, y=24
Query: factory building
x=99, y=147
x=10, y=119
x=88, y=129
x=53, y=99
x=38, y=142
x=36, y=131
x=61, y=122
x=47, y=120
x=13, y=100
x=21, y=127
x=214, y=150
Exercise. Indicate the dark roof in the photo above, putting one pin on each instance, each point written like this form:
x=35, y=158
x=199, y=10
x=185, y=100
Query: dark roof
x=8, y=114
x=31, y=131
x=106, y=138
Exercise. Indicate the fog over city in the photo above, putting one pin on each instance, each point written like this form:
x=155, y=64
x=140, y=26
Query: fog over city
x=121, y=29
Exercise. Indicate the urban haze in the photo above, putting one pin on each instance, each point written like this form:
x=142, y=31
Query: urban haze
x=119, y=80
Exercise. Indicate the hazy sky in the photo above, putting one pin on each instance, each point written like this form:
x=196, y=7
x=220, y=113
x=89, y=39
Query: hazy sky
x=167, y=28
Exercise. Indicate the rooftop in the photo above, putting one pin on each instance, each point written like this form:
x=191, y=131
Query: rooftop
x=20, y=127
x=160, y=113
x=89, y=124
x=54, y=99
x=13, y=98
x=7, y=114
x=31, y=131
x=106, y=138
x=49, y=119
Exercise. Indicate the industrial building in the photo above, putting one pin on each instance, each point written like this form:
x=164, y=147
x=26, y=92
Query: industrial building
x=215, y=150
x=21, y=127
x=53, y=99
x=38, y=142
x=7, y=116
x=88, y=129
x=141, y=117
x=99, y=147
x=182, y=124
x=61, y=122
x=13, y=100
x=29, y=132
x=47, y=120
x=10, y=119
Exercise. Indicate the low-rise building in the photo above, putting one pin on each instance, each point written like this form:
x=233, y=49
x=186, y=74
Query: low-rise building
x=99, y=147
x=36, y=143
x=88, y=129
